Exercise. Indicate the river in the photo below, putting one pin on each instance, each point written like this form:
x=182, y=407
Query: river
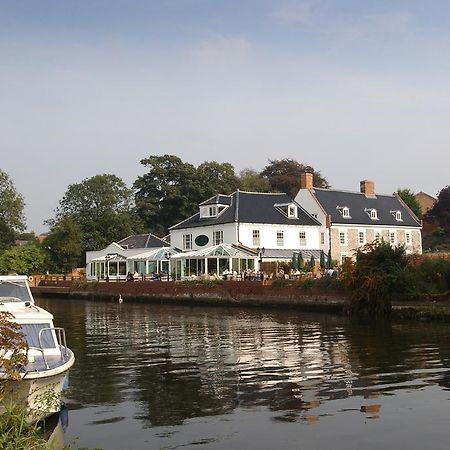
x=151, y=376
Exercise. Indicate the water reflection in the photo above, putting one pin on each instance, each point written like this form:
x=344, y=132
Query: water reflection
x=168, y=365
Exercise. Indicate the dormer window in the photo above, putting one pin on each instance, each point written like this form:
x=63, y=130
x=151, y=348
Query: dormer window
x=345, y=211
x=372, y=212
x=292, y=211
x=397, y=215
x=209, y=211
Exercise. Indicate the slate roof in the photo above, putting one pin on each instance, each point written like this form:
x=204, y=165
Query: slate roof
x=143, y=241
x=359, y=203
x=251, y=207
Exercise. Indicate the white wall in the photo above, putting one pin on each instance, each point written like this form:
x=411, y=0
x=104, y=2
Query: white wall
x=229, y=235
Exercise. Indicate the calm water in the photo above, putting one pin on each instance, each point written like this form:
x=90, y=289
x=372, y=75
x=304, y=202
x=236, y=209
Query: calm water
x=173, y=377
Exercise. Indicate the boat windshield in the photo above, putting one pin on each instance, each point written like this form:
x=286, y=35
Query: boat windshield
x=31, y=331
x=17, y=289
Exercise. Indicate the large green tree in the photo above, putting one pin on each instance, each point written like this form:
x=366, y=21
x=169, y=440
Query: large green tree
x=12, y=219
x=64, y=245
x=101, y=207
x=251, y=181
x=167, y=193
x=410, y=199
x=284, y=176
x=27, y=259
x=216, y=178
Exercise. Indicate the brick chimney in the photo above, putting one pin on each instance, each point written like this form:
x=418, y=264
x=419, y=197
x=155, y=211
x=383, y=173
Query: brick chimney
x=306, y=180
x=367, y=187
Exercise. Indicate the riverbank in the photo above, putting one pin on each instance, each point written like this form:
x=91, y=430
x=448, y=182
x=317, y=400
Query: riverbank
x=251, y=293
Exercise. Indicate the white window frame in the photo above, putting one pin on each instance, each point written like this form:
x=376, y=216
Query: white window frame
x=363, y=240
x=373, y=214
x=408, y=238
x=256, y=236
x=322, y=238
x=302, y=238
x=398, y=216
x=377, y=235
x=187, y=241
x=217, y=237
x=392, y=237
x=342, y=241
x=280, y=238
x=292, y=211
x=346, y=212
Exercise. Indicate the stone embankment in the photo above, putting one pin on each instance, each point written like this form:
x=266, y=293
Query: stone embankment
x=239, y=293
x=245, y=293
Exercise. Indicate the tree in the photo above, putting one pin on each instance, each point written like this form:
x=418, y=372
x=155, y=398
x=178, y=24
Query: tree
x=441, y=209
x=216, y=178
x=409, y=198
x=64, y=245
x=168, y=193
x=251, y=181
x=12, y=219
x=284, y=176
x=27, y=259
x=102, y=208
x=379, y=274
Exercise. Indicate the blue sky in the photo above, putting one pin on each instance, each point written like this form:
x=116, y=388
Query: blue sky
x=357, y=89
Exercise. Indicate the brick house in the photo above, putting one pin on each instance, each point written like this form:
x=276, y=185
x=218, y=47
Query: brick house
x=352, y=219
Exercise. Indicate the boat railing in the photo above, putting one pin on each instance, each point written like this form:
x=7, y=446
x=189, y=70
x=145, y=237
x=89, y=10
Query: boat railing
x=61, y=337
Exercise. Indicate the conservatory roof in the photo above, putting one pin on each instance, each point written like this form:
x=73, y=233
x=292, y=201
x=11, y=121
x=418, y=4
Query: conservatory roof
x=227, y=250
x=154, y=254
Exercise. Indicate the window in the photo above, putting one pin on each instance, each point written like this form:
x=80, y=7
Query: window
x=302, y=237
x=31, y=331
x=280, y=238
x=342, y=238
x=187, y=241
x=361, y=237
x=377, y=236
x=322, y=238
x=372, y=212
x=392, y=237
x=292, y=211
x=398, y=216
x=408, y=238
x=217, y=237
x=256, y=238
x=345, y=212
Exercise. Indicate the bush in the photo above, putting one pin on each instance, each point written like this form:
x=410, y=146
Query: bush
x=430, y=276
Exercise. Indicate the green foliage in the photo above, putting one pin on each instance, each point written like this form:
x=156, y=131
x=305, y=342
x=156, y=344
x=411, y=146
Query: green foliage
x=216, y=178
x=17, y=434
x=64, y=245
x=27, y=259
x=284, y=176
x=167, y=193
x=251, y=181
x=12, y=204
x=378, y=275
x=409, y=198
x=101, y=208
x=430, y=276
x=437, y=241
x=441, y=209
x=171, y=189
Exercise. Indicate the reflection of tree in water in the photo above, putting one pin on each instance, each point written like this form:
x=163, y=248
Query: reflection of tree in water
x=177, y=363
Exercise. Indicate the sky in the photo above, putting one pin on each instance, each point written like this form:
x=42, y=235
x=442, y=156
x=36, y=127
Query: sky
x=356, y=89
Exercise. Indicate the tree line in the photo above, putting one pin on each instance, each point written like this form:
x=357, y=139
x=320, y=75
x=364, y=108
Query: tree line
x=102, y=209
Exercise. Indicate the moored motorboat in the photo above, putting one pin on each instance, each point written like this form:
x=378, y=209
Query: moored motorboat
x=41, y=380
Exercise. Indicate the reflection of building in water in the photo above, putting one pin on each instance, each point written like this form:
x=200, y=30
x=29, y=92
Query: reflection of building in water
x=211, y=363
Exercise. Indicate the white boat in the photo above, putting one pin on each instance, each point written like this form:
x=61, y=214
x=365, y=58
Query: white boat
x=45, y=374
